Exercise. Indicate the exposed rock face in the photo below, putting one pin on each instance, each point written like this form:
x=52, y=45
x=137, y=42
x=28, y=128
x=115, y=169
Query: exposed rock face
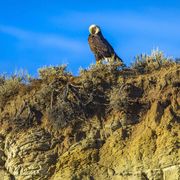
x=138, y=141
x=30, y=154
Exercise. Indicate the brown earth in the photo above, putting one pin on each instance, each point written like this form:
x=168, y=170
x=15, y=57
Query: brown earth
x=104, y=124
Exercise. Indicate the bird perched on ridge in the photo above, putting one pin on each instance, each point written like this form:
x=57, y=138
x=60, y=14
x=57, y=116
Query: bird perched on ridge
x=100, y=46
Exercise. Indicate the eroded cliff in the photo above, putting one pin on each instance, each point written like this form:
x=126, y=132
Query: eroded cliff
x=107, y=123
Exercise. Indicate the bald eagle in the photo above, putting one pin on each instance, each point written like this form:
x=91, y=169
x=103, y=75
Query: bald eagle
x=100, y=46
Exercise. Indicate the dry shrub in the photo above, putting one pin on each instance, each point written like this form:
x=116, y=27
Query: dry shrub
x=53, y=81
x=10, y=85
x=64, y=113
x=57, y=96
x=97, y=81
x=118, y=100
x=2, y=80
x=147, y=63
x=86, y=96
x=100, y=74
x=48, y=74
x=8, y=89
x=124, y=98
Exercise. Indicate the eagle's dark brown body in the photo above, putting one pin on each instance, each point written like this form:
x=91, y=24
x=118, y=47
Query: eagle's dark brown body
x=101, y=48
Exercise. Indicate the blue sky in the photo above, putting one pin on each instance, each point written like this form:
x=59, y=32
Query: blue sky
x=40, y=33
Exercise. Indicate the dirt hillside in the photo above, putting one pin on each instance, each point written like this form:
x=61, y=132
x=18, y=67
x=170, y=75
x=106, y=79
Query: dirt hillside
x=107, y=123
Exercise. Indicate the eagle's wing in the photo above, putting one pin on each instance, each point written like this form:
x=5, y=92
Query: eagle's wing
x=100, y=45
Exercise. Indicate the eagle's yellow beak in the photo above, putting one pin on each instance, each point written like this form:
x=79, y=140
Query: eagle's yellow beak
x=94, y=29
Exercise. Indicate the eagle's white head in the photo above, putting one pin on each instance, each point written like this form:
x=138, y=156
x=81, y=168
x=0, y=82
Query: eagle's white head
x=94, y=29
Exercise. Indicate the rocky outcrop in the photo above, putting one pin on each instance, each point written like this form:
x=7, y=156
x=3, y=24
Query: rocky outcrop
x=30, y=154
x=135, y=137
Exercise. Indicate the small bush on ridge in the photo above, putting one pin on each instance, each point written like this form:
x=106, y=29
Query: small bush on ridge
x=147, y=63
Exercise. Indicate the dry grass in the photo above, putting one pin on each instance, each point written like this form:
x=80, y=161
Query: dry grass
x=147, y=63
x=10, y=86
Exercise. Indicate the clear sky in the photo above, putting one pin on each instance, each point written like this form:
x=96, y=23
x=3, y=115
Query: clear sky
x=38, y=33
